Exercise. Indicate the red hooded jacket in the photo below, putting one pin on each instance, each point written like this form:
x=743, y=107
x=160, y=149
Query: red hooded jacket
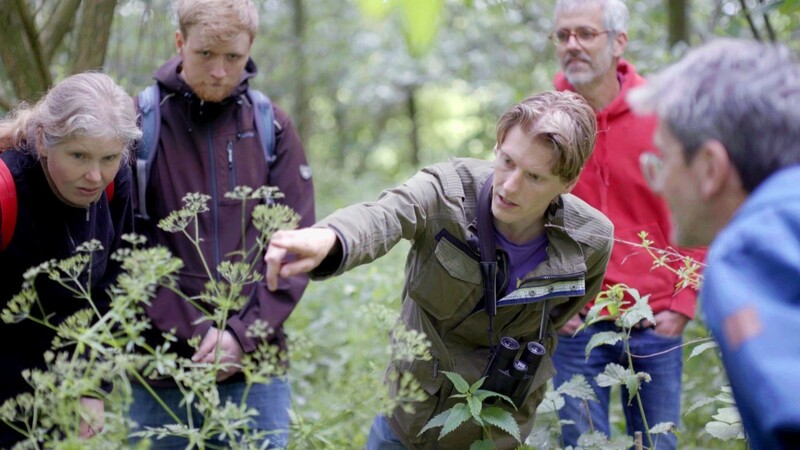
x=612, y=182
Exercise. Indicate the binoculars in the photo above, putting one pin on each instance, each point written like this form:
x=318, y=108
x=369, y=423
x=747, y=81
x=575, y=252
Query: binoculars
x=511, y=376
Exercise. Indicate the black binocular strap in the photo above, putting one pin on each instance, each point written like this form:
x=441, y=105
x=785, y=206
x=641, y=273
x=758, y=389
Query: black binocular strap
x=489, y=261
x=488, y=253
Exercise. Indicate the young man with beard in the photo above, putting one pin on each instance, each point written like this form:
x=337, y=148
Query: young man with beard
x=590, y=38
x=209, y=143
x=730, y=170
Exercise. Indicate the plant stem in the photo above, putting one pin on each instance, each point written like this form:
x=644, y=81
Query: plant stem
x=638, y=396
x=156, y=397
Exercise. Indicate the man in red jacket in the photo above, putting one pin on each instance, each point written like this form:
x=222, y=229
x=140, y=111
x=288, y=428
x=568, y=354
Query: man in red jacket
x=590, y=38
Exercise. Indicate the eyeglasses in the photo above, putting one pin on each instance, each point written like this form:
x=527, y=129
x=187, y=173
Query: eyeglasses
x=651, y=165
x=584, y=35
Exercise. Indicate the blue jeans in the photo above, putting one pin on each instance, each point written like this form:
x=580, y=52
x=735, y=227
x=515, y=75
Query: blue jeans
x=661, y=397
x=271, y=400
x=381, y=436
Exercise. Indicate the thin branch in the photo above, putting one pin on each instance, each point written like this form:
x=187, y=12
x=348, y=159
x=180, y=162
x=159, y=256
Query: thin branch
x=765, y=14
x=750, y=22
x=57, y=26
x=29, y=26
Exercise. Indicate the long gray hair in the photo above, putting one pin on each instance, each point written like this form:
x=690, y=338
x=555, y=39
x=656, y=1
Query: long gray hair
x=88, y=104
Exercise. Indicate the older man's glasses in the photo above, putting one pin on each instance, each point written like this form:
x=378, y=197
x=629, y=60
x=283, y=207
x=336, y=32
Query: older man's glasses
x=651, y=165
x=584, y=35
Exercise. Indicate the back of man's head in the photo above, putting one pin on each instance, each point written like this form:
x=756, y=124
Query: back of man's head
x=562, y=119
x=221, y=20
x=743, y=94
x=615, y=13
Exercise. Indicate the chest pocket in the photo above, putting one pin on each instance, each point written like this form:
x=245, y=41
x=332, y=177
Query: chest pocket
x=449, y=282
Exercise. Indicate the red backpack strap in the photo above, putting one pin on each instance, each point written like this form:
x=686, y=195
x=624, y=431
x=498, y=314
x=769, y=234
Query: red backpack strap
x=8, y=205
x=110, y=191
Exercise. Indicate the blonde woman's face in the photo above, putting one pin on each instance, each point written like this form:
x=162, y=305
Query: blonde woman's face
x=80, y=169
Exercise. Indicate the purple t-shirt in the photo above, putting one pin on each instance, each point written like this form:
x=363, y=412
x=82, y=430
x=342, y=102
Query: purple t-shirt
x=522, y=258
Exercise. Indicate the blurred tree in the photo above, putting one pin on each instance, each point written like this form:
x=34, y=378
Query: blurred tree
x=40, y=37
x=678, y=21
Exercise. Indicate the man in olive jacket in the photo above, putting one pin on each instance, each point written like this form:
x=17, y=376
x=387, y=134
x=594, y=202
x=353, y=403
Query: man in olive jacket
x=552, y=250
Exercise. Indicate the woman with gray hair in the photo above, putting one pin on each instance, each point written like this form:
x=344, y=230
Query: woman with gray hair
x=63, y=182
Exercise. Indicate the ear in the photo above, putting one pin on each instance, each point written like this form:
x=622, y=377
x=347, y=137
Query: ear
x=179, y=41
x=712, y=168
x=620, y=43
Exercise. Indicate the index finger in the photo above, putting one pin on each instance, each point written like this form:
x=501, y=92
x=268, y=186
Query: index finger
x=274, y=259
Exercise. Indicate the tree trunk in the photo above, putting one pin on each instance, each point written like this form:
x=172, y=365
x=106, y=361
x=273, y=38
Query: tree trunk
x=302, y=113
x=414, y=133
x=678, y=22
x=30, y=50
x=90, y=45
x=21, y=50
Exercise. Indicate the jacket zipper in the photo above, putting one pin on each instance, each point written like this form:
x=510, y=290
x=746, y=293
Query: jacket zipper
x=214, y=201
x=231, y=167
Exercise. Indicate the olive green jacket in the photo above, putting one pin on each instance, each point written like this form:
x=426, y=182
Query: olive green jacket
x=435, y=210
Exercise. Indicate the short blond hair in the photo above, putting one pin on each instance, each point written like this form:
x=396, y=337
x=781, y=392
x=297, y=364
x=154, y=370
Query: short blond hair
x=562, y=119
x=221, y=20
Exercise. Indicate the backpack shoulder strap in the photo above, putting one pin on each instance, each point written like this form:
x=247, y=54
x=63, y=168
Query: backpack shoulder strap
x=265, y=123
x=110, y=191
x=150, y=111
x=8, y=205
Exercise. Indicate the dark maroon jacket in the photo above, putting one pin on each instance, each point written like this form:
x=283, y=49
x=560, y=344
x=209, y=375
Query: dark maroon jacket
x=210, y=148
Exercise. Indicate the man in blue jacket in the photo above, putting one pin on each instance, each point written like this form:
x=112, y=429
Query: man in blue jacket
x=729, y=134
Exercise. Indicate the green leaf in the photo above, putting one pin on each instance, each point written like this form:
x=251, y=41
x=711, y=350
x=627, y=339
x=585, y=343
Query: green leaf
x=437, y=421
x=477, y=385
x=552, y=402
x=613, y=375
x=483, y=395
x=501, y=419
x=375, y=9
x=458, y=415
x=458, y=381
x=619, y=443
x=577, y=387
x=633, y=382
x=640, y=310
x=728, y=415
x=486, y=444
x=699, y=404
x=662, y=428
x=592, y=439
x=420, y=23
x=702, y=347
x=475, y=407
x=725, y=431
x=603, y=338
